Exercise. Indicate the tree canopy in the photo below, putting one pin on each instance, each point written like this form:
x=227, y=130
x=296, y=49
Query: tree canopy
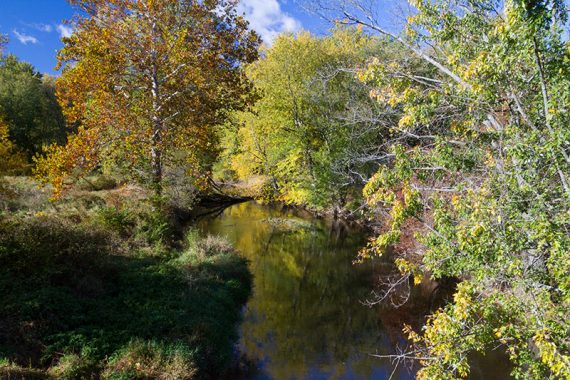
x=3, y=42
x=450, y=136
x=143, y=80
x=488, y=182
x=29, y=106
x=315, y=133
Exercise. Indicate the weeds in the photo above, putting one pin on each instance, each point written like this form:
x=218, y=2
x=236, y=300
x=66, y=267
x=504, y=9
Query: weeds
x=105, y=297
x=151, y=360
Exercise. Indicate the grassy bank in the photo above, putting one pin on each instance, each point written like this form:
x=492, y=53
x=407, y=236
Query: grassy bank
x=93, y=291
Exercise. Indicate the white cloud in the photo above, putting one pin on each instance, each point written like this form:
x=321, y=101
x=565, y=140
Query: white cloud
x=43, y=27
x=64, y=30
x=24, y=38
x=268, y=19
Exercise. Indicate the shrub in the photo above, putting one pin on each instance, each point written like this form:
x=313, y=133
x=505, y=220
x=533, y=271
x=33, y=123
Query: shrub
x=115, y=219
x=70, y=289
x=151, y=360
x=104, y=182
x=211, y=246
x=12, y=159
x=11, y=371
x=153, y=227
x=49, y=244
x=98, y=183
x=74, y=367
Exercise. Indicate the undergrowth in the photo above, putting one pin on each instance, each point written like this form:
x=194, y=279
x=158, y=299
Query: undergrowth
x=107, y=297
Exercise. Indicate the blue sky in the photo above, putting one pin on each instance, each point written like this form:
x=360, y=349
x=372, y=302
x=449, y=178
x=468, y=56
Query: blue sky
x=35, y=27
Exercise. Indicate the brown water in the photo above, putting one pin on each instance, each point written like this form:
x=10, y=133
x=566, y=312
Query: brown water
x=306, y=318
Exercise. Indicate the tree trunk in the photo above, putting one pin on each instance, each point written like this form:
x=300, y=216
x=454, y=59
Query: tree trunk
x=156, y=159
x=157, y=123
x=156, y=143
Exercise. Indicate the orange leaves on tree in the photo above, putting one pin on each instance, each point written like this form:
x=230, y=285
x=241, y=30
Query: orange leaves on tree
x=147, y=79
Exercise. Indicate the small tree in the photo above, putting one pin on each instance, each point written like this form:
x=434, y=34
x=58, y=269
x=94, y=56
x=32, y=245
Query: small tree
x=3, y=42
x=29, y=105
x=145, y=79
x=11, y=158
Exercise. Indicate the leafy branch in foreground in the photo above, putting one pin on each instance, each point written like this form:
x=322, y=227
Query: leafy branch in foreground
x=487, y=181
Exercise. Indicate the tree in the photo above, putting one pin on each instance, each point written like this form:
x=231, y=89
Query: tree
x=27, y=100
x=11, y=158
x=315, y=133
x=488, y=184
x=144, y=80
x=3, y=43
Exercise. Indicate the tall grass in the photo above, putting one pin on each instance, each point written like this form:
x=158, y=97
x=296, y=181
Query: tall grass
x=79, y=303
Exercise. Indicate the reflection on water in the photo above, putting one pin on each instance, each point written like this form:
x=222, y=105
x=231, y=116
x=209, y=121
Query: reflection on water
x=305, y=319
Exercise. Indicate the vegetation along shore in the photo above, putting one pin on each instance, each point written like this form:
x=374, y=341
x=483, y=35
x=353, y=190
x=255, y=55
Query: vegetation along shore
x=178, y=200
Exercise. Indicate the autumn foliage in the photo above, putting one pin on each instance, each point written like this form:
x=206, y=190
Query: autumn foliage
x=145, y=79
x=11, y=158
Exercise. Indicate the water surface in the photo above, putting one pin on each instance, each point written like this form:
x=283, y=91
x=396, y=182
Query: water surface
x=306, y=318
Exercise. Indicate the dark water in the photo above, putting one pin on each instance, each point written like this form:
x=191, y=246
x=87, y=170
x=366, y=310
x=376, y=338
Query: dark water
x=306, y=319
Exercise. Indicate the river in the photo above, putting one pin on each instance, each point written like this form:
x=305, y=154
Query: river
x=306, y=318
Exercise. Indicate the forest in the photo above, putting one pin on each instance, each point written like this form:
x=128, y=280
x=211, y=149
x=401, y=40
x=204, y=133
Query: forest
x=444, y=143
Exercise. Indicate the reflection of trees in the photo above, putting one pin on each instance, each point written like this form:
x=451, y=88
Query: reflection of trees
x=306, y=309
x=306, y=313
x=306, y=316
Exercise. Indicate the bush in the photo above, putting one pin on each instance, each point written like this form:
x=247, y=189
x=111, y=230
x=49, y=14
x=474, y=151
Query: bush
x=74, y=367
x=212, y=246
x=51, y=246
x=153, y=227
x=72, y=298
x=120, y=221
x=98, y=183
x=11, y=371
x=151, y=360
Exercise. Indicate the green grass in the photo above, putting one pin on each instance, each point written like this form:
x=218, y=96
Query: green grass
x=78, y=305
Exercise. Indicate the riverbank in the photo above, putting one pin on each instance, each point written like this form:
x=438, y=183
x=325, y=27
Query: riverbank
x=94, y=288
x=353, y=210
